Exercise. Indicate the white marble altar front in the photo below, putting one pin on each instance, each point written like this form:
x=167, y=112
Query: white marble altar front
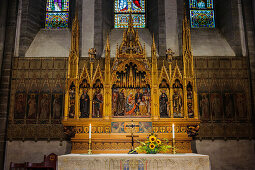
x=134, y=162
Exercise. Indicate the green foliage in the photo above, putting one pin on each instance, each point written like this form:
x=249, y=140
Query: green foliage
x=153, y=145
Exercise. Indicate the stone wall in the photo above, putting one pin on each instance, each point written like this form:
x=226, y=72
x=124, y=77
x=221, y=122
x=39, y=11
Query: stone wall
x=227, y=20
x=103, y=23
x=31, y=151
x=32, y=20
x=228, y=155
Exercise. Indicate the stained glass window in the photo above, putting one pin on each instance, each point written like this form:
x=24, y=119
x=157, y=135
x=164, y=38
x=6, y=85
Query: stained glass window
x=202, y=13
x=122, y=8
x=57, y=14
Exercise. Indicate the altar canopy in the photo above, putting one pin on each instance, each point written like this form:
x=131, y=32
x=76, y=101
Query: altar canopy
x=134, y=162
x=130, y=88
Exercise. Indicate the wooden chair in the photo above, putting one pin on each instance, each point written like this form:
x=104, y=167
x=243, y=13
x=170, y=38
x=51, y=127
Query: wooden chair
x=18, y=166
x=51, y=161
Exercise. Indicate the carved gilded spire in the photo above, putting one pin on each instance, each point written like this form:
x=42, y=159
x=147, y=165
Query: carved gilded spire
x=107, y=47
x=74, y=52
x=130, y=46
x=186, y=46
x=153, y=47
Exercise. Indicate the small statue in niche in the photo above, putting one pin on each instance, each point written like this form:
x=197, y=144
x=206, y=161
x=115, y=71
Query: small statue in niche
x=189, y=92
x=32, y=107
x=98, y=104
x=72, y=101
x=177, y=104
x=84, y=105
x=190, y=110
x=204, y=105
x=57, y=105
x=121, y=103
x=20, y=103
x=163, y=103
x=45, y=106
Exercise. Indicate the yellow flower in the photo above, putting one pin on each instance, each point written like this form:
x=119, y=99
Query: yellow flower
x=158, y=141
x=152, y=138
x=152, y=146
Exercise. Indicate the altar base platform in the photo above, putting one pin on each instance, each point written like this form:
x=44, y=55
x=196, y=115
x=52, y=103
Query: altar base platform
x=134, y=162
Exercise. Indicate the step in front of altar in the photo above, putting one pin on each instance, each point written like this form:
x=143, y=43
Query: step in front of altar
x=139, y=161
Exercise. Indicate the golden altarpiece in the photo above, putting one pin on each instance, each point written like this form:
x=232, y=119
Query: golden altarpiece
x=130, y=88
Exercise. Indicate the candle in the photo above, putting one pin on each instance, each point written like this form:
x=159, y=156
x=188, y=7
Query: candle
x=89, y=131
x=173, y=131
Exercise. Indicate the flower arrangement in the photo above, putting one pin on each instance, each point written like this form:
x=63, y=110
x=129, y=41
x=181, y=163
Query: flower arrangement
x=153, y=145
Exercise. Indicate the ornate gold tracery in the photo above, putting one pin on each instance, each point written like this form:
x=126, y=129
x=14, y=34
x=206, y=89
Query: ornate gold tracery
x=90, y=95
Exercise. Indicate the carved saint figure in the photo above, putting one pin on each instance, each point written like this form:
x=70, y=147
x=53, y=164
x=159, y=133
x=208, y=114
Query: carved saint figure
x=20, y=103
x=32, y=105
x=215, y=101
x=204, y=105
x=98, y=104
x=131, y=105
x=241, y=109
x=45, y=106
x=143, y=107
x=190, y=110
x=114, y=102
x=138, y=99
x=72, y=102
x=189, y=93
x=177, y=104
x=229, y=106
x=121, y=103
x=163, y=103
x=146, y=95
x=57, y=104
x=84, y=105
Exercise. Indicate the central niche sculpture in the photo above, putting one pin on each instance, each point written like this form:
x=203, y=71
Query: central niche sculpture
x=131, y=95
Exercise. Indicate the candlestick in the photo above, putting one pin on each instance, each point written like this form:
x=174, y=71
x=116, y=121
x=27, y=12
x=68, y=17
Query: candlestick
x=89, y=151
x=89, y=131
x=173, y=131
x=174, y=150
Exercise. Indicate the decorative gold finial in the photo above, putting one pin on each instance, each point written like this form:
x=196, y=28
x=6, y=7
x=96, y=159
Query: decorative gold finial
x=130, y=21
x=92, y=54
x=107, y=48
x=153, y=47
x=169, y=55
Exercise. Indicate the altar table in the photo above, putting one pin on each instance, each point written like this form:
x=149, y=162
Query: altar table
x=134, y=162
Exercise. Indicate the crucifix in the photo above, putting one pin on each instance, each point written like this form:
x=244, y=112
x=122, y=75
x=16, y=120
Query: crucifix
x=132, y=126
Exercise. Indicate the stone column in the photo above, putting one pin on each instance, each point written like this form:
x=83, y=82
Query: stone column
x=6, y=70
x=3, y=15
x=87, y=26
x=171, y=26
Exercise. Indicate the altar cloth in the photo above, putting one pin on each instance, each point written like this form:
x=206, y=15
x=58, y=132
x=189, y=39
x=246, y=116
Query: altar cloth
x=134, y=162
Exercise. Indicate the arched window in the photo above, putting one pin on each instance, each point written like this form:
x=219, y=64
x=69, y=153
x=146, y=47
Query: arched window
x=57, y=13
x=122, y=8
x=202, y=13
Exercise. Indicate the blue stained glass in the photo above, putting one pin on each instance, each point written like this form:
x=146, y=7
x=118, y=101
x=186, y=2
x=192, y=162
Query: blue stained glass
x=127, y=6
x=56, y=20
x=123, y=7
x=201, y=4
x=57, y=14
x=202, y=18
x=202, y=14
x=121, y=20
